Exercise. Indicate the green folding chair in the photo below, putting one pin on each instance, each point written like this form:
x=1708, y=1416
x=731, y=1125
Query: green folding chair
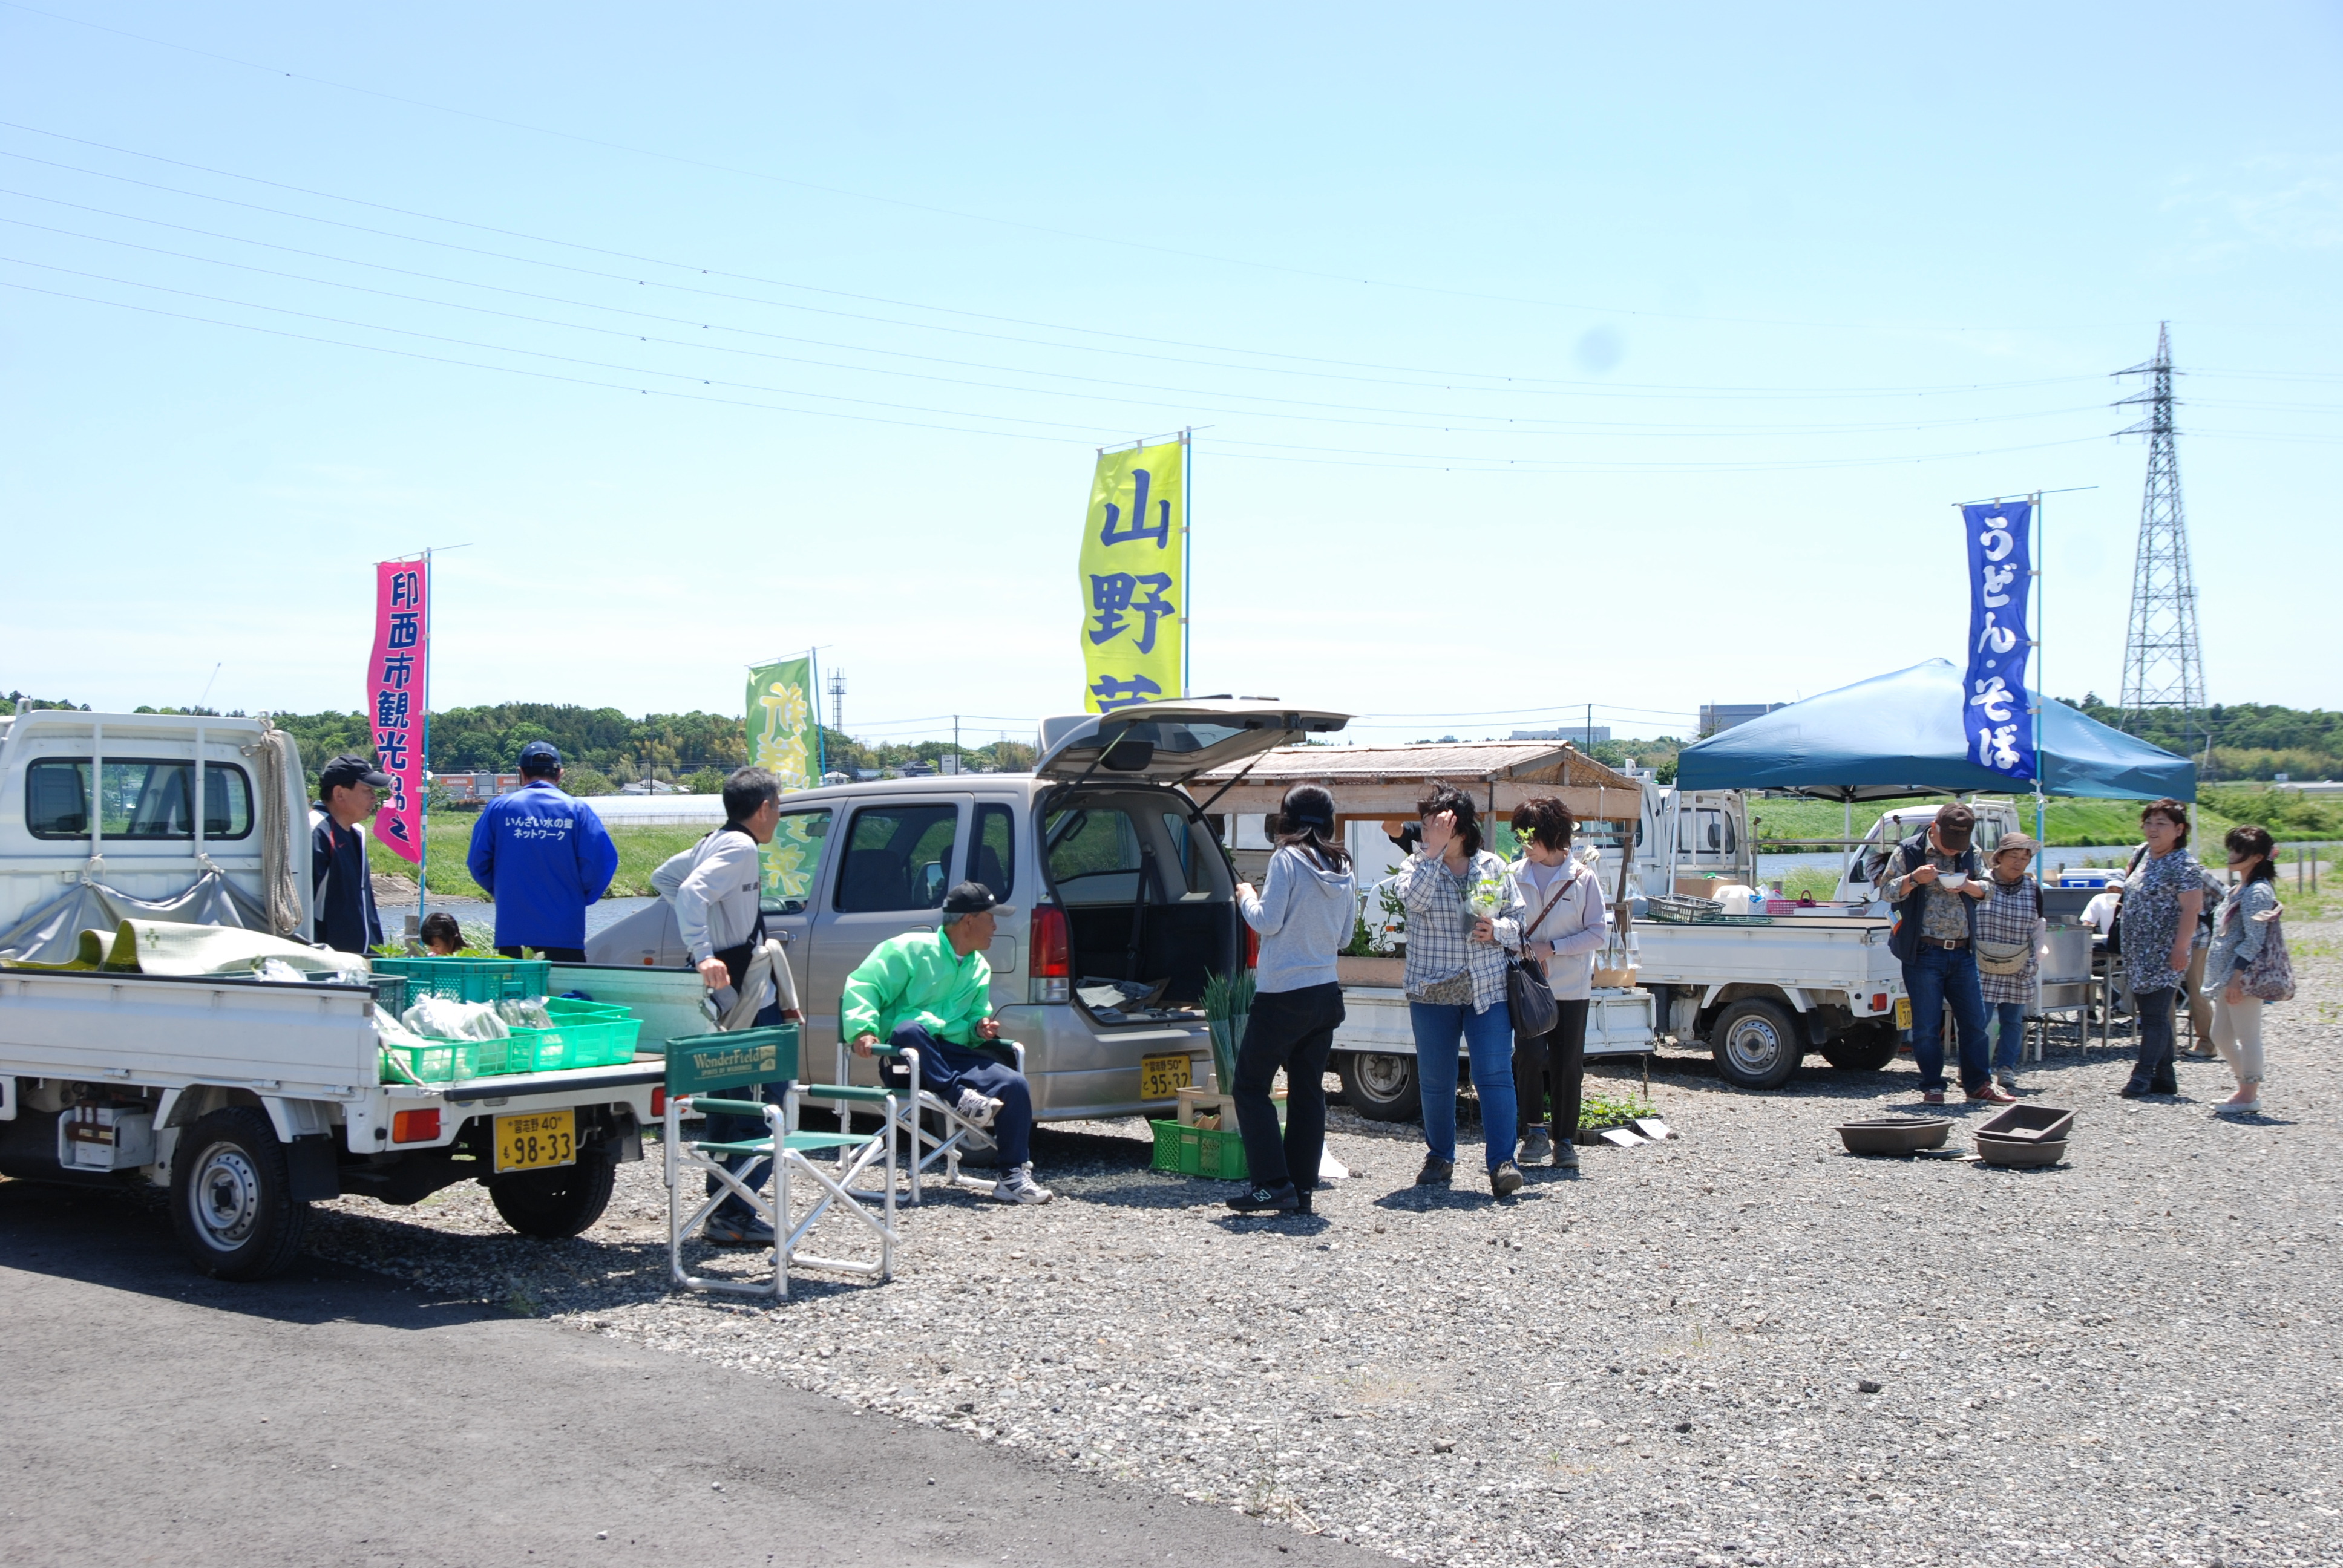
x=699, y=1065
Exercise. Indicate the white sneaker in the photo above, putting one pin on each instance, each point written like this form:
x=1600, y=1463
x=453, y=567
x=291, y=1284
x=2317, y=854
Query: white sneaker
x=1019, y=1186
x=977, y=1109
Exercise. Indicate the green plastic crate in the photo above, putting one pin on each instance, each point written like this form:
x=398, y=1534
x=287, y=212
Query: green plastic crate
x=470, y=980
x=1206, y=1151
x=585, y=1034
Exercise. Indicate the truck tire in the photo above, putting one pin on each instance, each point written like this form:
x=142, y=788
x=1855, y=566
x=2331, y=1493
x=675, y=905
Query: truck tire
x=1756, y=1044
x=232, y=1197
x=556, y=1204
x=1381, y=1088
x=1866, y=1047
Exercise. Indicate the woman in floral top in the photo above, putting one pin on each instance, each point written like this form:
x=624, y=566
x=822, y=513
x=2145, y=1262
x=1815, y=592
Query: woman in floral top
x=2160, y=930
x=2011, y=917
x=1464, y=916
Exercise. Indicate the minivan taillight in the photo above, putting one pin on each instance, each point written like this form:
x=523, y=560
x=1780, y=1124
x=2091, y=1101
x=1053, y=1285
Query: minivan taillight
x=1052, y=968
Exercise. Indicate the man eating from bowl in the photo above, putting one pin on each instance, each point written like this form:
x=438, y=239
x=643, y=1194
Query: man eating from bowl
x=1932, y=881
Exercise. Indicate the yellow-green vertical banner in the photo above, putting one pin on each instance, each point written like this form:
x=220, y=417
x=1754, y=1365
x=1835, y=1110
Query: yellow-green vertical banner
x=781, y=741
x=1134, y=585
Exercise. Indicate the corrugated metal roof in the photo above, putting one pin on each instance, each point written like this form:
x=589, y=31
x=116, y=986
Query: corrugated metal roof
x=1527, y=761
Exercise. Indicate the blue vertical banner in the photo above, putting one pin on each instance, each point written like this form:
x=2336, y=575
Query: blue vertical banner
x=1996, y=713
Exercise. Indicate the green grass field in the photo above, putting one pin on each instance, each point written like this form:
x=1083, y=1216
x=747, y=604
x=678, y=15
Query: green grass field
x=640, y=850
x=2066, y=822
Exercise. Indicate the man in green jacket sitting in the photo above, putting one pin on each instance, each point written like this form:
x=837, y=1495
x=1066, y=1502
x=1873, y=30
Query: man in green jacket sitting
x=931, y=991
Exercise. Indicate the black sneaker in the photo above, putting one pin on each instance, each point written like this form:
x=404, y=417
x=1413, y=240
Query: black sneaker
x=1280, y=1200
x=1435, y=1172
x=1505, y=1179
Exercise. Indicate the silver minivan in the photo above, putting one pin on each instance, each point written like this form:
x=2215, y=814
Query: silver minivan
x=1121, y=901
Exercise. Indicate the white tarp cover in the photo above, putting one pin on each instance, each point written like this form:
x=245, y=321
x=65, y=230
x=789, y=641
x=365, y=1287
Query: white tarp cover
x=52, y=933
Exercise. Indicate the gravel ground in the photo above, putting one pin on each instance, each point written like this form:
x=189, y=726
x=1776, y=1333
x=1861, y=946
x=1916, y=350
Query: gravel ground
x=1740, y=1346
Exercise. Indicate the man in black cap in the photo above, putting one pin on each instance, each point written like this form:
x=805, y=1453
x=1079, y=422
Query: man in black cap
x=932, y=991
x=1933, y=881
x=341, y=888
x=543, y=856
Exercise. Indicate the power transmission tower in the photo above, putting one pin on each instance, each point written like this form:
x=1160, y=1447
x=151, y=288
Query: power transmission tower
x=2163, y=667
x=837, y=700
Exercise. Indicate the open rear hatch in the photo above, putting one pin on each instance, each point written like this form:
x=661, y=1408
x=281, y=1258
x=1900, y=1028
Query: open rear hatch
x=1146, y=890
x=1172, y=742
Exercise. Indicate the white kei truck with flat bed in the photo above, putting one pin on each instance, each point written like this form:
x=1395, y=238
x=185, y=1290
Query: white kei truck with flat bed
x=248, y=1099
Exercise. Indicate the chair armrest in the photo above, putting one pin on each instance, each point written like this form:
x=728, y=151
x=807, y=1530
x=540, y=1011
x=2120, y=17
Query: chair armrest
x=707, y=1107
x=856, y=1093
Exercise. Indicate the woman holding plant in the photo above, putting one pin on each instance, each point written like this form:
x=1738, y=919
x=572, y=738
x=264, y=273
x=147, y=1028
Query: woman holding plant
x=1464, y=916
x=1304, y=913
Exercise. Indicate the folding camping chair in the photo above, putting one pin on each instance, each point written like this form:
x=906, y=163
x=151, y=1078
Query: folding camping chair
x=956, y=1133
x=697, y=1065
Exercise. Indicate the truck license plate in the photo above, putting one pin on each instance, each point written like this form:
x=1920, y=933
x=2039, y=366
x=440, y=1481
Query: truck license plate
x=1903, y=1012
x=537, y=1141
x=1160, y=1077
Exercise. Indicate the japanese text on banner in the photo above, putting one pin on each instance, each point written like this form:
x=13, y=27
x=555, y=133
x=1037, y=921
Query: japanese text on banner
x=395, y=699
x=783, y=740
x=1133, y=588
x=1996, y=712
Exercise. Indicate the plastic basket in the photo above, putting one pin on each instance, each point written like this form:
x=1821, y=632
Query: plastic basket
x=584, y=1034
x=1683, y=910
x=469, y=979
x=1205, y=1152
x=389, y=993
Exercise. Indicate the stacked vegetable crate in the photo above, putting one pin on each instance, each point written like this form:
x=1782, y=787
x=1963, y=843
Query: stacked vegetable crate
x=583, y=1033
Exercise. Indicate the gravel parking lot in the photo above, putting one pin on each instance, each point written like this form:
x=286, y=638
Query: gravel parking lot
x=1741, y=1346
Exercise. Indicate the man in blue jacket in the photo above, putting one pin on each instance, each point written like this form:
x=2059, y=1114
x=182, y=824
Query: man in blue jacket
x=341, y=888
x=543, y=857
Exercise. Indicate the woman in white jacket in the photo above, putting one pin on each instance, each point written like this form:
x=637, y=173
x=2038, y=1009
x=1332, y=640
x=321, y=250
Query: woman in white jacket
x=1306, y=912
x=1562, y=928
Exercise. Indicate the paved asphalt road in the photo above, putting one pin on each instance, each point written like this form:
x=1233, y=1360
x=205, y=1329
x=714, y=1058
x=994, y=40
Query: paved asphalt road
x=333, y=1417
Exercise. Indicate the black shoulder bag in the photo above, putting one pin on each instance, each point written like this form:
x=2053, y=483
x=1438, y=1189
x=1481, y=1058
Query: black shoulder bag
x=1529, y=996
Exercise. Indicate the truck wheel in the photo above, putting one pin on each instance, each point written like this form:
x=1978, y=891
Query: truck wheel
x=1867, y=1048
x=556, y=1203
x=1381, y=1088
x=231, y=1197
x=1757, y=1043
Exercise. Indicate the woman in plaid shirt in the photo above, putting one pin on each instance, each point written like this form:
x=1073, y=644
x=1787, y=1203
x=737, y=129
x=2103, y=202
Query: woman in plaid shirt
x=1463, y=916
x=2010, y=917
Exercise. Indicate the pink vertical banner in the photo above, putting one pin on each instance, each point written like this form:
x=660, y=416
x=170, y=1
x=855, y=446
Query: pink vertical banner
x=395, y=699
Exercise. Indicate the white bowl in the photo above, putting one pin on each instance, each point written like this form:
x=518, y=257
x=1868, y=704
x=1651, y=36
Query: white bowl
x=1951, y=881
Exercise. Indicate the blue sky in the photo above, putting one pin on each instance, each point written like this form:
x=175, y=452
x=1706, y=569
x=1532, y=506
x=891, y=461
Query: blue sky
x=1541, y=356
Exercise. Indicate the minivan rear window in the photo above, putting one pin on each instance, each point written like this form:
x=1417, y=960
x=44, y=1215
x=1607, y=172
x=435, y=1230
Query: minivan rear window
x=1094, y=853
x=992, y=851
x=139, y=797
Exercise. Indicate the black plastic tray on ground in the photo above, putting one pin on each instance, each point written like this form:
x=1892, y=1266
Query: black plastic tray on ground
x=2020, y=1151
x=1894, y=1134
x=2032, y=1123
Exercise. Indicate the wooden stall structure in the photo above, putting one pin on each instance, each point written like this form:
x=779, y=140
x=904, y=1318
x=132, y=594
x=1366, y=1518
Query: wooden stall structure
x=1383, y=783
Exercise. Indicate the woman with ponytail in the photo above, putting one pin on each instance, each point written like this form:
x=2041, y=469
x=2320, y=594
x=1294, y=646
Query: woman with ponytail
x=1305, y=913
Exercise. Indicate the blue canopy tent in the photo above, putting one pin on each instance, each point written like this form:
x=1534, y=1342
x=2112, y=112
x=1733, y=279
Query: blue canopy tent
x=1901, y=734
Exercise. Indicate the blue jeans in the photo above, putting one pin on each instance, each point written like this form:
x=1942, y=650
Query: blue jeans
x=1940, y=977
x=1488, y=1038
x=2009, y=1038
x=2152, y=1074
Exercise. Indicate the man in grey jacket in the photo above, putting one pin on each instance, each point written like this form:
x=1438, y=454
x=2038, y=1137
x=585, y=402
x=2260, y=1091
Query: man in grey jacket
x=716, y=887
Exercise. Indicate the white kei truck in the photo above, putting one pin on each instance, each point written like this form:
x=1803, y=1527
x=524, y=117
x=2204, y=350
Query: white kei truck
x=1759, y=996
x=248, y=1099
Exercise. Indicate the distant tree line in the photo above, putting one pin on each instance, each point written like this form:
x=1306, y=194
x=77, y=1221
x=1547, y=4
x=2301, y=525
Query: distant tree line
x=2249, y=739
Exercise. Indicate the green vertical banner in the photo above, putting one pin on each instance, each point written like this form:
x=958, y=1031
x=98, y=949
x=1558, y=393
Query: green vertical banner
x=782, y=740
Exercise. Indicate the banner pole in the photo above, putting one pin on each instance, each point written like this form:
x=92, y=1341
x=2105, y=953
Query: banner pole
x=813, y=701
x=2041, y=687
x=1187, y=553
